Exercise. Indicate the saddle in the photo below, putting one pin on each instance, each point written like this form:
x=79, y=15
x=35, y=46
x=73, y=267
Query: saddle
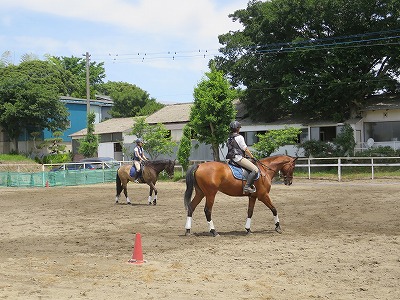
x=239, y=172
x=137, y=175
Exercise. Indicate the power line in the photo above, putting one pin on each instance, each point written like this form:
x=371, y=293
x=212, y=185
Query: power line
x=340, y=42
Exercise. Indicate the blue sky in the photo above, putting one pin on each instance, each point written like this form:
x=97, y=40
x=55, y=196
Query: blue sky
x=162, y=46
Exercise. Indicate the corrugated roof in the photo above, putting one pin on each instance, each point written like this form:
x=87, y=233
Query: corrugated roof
x=109, y=126
x=95, y=102
x=175, y=113
x=382, y=102
x=169, y=114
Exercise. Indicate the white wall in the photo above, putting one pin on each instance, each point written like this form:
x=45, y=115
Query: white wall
x=106, y=150
x=382, y=115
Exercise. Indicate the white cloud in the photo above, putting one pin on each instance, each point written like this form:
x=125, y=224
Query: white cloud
x=125, y=27
x=192, y=20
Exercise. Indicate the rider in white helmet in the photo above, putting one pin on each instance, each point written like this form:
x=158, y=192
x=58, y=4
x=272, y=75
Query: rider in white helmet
x=237, y=150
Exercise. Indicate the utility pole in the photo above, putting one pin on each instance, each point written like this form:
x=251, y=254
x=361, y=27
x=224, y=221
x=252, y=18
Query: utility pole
x=87, y=83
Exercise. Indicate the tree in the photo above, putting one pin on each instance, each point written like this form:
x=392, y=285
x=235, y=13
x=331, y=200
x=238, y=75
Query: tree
x=342, y=145
x=317, y=59
x=213, y=110
x=89, y=144
x=185, y=146
x=344, y=141
x=29, y=57
x=157, y=139
x=29, y=99
x=74, y=69
x=6, y=59
x=55, y=143
x=271, y=141
x=129, y=100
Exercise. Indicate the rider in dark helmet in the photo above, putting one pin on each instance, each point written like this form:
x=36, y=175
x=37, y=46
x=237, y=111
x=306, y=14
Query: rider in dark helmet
x=237, y=150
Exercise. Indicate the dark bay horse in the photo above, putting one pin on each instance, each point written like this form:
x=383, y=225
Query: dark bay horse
x=151, y=170
x=210, y=177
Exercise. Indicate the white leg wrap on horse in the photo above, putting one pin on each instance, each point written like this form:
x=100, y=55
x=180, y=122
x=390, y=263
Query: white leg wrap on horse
x=210, y=225
x=276, y=219
x=149, y=199
x=155, y=197
x=128, y=200
x=116, y=199
x=248, y=223
x=188, y=223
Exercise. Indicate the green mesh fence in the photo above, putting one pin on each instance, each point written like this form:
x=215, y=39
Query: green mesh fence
x=58, y=178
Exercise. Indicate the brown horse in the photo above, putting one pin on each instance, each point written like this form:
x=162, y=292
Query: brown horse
x=151, y=170
x=210, y=177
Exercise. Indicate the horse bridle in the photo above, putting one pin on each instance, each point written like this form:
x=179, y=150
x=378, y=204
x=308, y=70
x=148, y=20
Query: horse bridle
x=285, y=177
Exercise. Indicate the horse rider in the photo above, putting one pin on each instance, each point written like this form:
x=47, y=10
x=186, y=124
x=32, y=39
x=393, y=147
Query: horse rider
x=237, y=150
x=138, y=155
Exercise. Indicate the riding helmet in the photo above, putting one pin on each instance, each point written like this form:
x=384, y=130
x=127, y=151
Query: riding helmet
x=139, y=140
x=235, y=125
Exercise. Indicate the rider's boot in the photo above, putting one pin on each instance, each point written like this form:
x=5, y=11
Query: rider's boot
x=249, y=187
x=138, y=176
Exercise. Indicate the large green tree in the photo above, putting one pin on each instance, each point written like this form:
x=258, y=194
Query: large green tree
x=185, y=147
x=213, y=109
x=74, y=70
x=129, y=100
x=274, y=139
x=29, y=98
x=88, y=146
x=157, y=138
x=318, y=59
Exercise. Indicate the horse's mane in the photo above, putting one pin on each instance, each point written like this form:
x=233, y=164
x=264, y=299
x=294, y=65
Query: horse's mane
x=272, y=157
x=158, y=162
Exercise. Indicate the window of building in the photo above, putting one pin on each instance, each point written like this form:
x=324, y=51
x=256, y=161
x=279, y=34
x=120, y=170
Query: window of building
x=382, y=131
x=327, y=134
x=117, y=147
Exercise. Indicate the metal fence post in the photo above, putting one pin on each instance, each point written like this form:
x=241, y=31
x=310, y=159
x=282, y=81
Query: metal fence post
x=372, y=167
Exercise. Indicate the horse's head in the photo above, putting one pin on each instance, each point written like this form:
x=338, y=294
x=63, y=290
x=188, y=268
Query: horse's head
x=170, y=168
x=287, y=171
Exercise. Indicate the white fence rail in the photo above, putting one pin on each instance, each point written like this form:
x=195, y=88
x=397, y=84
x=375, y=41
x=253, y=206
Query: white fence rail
x=344, y=162
x=41, y=175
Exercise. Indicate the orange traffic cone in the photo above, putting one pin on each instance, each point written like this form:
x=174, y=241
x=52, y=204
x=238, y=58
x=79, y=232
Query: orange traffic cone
x=137, y=255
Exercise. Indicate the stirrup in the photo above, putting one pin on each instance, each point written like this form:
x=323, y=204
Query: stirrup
x=249, y=189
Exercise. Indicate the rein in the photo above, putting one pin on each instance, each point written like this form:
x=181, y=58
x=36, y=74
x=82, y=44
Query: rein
x=265, y=166
x=285, y=177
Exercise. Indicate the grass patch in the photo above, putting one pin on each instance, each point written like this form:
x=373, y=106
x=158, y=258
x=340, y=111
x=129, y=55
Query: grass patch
x=15, y=158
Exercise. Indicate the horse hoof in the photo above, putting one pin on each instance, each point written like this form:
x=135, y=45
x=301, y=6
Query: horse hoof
x=214, y=233
x=278, y=228
x=149, y=203
x=248, y=231
x=128, y=203
x=154, y=203
x=187, y=233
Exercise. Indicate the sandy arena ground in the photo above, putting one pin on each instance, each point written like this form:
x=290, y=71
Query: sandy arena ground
x=339, y=241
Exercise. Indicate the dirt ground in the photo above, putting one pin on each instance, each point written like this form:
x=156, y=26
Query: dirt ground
x=339, y=241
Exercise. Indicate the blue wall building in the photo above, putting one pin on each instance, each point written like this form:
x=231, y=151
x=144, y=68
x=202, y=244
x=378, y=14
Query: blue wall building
x=77, y=109
x=77, y=114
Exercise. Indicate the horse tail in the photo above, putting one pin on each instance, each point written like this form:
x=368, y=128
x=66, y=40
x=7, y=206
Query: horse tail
x=118, y=183
x=190, y=182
